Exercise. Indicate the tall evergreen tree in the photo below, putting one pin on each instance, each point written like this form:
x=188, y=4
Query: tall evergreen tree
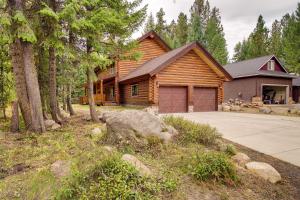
x=215, y=37
x=150, y=24
x=275, y=44
x=259, y=39
x=182, y=29
x=160, y=27
x=291, y=40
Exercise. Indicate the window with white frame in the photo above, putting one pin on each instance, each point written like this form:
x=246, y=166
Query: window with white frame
x=271, y=65
x=134, y=90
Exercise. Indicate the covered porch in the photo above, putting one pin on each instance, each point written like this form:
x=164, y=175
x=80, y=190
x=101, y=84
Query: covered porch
x=104, y=93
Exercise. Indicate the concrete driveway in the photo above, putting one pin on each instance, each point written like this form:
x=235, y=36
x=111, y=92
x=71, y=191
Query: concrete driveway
x=278, y=136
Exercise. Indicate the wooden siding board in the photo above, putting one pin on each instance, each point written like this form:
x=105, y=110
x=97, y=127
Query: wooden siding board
x=143, y=94
x=149, y=49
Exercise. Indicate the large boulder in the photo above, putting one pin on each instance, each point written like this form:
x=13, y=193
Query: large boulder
x=265, y=110
x=264, y=170
x=55, y=126
x=236, y=108
x=134, y=124
x=49, y=123
x=61, y=168
x=241, y=159
x=132, y=160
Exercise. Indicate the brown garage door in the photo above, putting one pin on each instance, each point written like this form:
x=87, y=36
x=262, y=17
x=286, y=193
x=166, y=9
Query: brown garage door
x=172, y=99
x=205, y=99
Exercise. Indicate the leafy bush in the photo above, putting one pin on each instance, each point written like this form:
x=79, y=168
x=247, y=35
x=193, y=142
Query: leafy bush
x=111, y=179
x=191, y=132
x=213, y=166
x=230, y=150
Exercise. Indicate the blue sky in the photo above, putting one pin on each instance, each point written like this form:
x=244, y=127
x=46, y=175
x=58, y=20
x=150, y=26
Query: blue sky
x=239, y=17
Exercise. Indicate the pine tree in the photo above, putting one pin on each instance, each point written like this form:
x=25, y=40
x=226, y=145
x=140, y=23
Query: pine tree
x=291, y=40
x=150, y=24
x=275, y=45
x=181, y=29
x=160, y=27
x=200, y=12
x=215, y=37
x=259, y=39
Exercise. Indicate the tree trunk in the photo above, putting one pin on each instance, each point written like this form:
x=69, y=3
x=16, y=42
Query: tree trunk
x=20, y=82
x=64, y=98
x=91, y=88
x=27, y=86
x=4, y=113
x=14, y=126
x=69, y=101
x=91, y=95
x=52, y=84
x=33, y=88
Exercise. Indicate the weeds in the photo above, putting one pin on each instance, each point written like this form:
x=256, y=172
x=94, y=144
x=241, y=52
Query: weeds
x=213, y=166
x=190, y=132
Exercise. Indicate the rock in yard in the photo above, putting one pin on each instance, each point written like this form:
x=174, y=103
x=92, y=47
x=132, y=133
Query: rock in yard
x=143, y=170
x=49, y=123
x=108, y=148
x=264, y=170
x=265, y=110
x=226, y=108
x=136, y=124
x=87, y=118
x=61, y=168
x=96, y=132
x=235, y=108
x=55, y=126
x=241, y=159
x=151, y=110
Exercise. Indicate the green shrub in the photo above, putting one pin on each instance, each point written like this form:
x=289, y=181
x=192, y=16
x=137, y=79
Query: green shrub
x=111, y=179
x=230, y=150
x=191, y=132
x=213, y=166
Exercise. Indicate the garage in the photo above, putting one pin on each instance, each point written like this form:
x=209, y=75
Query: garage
x=172, y=99
x=205, y=99
x=275, y=94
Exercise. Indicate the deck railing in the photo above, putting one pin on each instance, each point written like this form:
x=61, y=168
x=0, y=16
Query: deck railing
x=99, y=99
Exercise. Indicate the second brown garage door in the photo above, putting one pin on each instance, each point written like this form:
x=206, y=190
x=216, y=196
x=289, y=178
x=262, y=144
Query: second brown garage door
x=205, y=99
x=172, y=99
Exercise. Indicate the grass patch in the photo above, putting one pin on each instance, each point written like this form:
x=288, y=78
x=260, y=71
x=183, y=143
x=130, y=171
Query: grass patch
x=191, y=132
x=113, y=179
x=213, y=166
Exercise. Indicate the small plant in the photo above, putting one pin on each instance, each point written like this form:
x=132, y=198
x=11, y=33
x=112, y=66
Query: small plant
x=191, y=132
x=214, y=166
x=230, y=150
x=112, y=179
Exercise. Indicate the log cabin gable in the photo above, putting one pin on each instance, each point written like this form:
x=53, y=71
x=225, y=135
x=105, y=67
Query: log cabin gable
x=150, y=46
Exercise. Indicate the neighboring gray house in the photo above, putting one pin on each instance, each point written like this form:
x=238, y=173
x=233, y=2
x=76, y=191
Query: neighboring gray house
x=263, y=77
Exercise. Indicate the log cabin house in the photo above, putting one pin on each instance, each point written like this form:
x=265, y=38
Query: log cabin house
x=187, y=79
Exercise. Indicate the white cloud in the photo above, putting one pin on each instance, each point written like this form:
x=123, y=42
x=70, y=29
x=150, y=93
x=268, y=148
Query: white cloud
x=239, y=17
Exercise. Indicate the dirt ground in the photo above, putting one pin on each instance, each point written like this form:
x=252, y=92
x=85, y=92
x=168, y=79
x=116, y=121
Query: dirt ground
x=290, y=173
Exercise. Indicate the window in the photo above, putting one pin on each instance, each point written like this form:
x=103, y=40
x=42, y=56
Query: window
x=112, y=70
x=134, y=90
x=271, y=65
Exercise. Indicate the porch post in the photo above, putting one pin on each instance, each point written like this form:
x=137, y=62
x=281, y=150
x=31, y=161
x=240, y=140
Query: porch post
x=101, y=90
x=117, y=90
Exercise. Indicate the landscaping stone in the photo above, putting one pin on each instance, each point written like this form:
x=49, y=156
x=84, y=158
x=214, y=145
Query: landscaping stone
x=151, y=110
x=49, y=123
x=55, y=126
x=96, y=132
x=265, y=110
x=264, y=170
x=87, y=118
x=241, y=159
x=136, y=124
x=280, y=110
x=236, y=108
x=226, y=108
x=143, y=170
x=61, y=168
